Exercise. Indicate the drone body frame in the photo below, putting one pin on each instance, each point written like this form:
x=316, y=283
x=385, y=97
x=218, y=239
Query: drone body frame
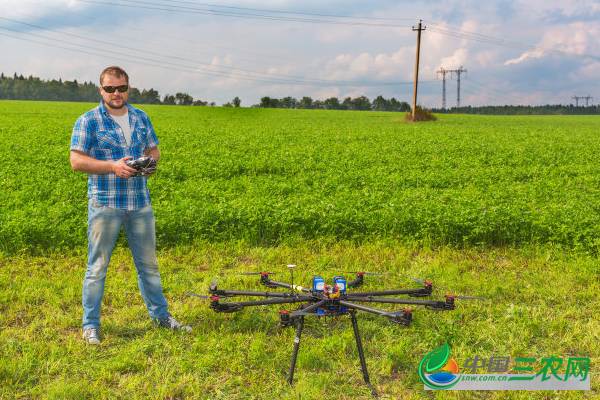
x=329, y=302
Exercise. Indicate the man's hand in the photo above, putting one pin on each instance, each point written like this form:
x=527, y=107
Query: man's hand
x=122, y=169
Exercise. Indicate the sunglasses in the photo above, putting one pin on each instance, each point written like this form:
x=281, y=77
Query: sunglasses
x=111, y=89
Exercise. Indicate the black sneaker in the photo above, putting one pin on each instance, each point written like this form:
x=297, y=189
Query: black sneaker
x=171, y=323
x=92, y=335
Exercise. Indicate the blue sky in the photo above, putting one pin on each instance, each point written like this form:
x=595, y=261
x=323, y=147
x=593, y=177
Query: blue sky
x=515, y=52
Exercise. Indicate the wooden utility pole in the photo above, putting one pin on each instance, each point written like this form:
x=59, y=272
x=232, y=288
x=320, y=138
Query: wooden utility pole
x=414, y=107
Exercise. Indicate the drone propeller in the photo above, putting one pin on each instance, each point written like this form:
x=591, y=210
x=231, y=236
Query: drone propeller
x=269, y=311
x=427, y=283
x=453, y=296
x=199, y=295
x=257, y=273
x=365, y=273
x=404, y=311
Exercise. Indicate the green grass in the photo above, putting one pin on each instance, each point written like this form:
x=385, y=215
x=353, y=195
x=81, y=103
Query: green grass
x=542, y=304
x=501, y=207
x=266, y=176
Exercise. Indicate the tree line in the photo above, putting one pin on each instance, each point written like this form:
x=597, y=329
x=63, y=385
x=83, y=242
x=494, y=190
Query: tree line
x=31, y=88
x=361, y=103
x=548, y=109
x=18, y=87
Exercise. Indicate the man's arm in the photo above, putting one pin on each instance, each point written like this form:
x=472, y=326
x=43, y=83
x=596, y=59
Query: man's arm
x=80, y=161
x=152, y=152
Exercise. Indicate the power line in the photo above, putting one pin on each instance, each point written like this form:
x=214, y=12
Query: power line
x=236, y=71
x=459, y=33
x=215, y=11
x=288, y=12
x=212, y=9
x=163, y=35
x=191, y=69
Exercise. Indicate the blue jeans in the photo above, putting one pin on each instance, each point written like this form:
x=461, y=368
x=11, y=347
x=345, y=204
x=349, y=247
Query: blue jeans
x=104, y=226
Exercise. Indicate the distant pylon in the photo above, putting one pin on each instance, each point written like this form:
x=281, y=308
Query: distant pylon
x=458, y=72
x=443, y=72
x=586, y=98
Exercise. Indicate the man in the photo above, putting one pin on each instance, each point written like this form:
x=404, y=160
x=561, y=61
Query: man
x=103, y=140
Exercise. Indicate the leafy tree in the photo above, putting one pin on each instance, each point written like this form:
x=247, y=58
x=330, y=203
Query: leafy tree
x=332, y=103
x=288, y=102
x=236, y=101
x=381, y=104
x=150, y=97
x=267, y=102
x=306, y=102
x=347, y=103
x=169, y=100
x=399, y=106
x=361, y=103
x=134, y=95
x=184, y=99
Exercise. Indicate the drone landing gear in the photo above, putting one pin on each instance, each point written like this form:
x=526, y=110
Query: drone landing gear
x=361, y=353
x=296, y=347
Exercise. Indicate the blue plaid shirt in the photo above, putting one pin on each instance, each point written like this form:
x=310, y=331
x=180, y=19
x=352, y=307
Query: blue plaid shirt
x=100, y=137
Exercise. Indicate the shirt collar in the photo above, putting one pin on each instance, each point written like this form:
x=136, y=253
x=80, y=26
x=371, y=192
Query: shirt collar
x=105, y=111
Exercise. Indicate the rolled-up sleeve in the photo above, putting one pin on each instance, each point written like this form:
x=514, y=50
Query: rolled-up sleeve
x=81, y=137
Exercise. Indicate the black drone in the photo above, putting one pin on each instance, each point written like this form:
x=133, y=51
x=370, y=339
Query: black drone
x=323, y=300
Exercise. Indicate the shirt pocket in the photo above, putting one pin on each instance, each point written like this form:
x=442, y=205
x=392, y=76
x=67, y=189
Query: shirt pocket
x=139, y=132
x=106, y=140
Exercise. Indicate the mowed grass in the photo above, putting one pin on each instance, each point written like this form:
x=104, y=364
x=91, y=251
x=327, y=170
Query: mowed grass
x=541, y=305
x=500, y=207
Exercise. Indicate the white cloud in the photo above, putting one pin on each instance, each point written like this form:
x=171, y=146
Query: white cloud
x=456, y=60
x=31, y=9
x=576, y=38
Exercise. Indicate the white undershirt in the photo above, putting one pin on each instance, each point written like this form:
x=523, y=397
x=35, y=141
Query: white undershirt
x=123, y=121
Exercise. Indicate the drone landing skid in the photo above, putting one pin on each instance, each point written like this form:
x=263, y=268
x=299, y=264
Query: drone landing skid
x=361, y=352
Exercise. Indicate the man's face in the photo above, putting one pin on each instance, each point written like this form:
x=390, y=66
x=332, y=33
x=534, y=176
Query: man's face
x=117, y=99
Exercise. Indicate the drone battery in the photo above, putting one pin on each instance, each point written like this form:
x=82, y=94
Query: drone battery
x=318, y=283
x=340, y=281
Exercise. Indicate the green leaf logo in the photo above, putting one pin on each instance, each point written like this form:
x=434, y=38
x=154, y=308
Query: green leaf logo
x=437, y=358
x=433, y=361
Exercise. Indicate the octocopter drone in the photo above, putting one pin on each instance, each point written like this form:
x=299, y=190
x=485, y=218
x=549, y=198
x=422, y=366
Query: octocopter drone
x=322, y=300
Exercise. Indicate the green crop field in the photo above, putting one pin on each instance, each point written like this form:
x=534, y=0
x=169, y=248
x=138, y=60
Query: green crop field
x=501, y=207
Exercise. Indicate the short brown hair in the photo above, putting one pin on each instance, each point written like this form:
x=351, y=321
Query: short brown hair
x=115, y=71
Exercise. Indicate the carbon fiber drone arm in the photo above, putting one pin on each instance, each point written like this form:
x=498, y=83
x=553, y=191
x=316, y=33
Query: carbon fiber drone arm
x=232, y=293
x=361, y=307
x=420, y=292
x=429, y=304
x=268, y=282
x=228, y=307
